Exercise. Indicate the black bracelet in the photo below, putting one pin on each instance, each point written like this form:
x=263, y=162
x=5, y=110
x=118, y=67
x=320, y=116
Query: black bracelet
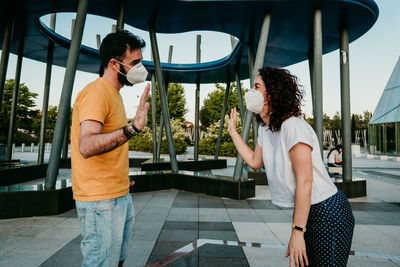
x=127, y=134
x=299, y=228
x=134, y=128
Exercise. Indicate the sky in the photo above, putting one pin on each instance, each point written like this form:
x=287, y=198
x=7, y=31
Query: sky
x=372, y=58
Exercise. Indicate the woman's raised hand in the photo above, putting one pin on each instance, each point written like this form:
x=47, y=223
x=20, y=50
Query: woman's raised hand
x=232, y=122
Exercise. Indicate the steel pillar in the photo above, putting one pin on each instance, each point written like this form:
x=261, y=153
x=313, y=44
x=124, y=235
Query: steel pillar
x=163, y=99
x=262, y=45
x=160, y=134
x=5, y=53
x=121, y=15
x=49, y=65
x=197, y=105
x=345, y=103
x=317, y=75
x=154, y=115
x=240, y=97
x=311, y=70
x=221, y=125
x=65, y=100
x=13, y=114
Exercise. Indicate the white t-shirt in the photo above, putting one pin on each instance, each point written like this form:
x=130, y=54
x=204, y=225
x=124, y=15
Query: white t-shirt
x=332, y=156
x=278, y=166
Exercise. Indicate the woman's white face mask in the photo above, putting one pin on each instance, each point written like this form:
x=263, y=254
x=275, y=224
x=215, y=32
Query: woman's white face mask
x=136, y=74
x=254, y=101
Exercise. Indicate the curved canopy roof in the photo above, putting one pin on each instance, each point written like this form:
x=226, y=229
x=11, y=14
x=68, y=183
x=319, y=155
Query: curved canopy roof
x=289, y=41
x=388, y=108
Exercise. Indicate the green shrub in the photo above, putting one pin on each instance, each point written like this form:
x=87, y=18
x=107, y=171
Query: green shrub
x=143, y=142
x=19, y=138
x=208, y=144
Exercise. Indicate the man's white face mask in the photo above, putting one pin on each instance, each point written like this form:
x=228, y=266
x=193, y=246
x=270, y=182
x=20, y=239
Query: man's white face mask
x=254, y=101
x=136, y=74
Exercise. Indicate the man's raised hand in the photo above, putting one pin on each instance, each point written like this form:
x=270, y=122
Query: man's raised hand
x=141, y=112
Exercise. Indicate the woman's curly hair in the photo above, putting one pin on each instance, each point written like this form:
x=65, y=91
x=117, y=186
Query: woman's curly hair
x=284, y=96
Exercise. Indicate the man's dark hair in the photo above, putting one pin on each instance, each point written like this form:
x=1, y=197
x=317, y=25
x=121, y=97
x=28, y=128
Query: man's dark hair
x=115, y=44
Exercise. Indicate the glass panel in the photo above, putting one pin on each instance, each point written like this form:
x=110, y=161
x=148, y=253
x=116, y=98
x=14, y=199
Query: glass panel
x=391, y=138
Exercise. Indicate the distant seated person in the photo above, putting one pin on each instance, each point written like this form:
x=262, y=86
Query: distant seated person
x=333, y=156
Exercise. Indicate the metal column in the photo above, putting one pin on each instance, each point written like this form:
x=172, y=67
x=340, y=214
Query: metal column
x=240, y=97
x=317, y=75
x=311, y=70
x=262, y=45
x=121, y=15
x=154, y=115
x=252, y=70
x=197, y=104
x=221, y=126
x=65, y=100
x=64, y=154
x=49, y=65
x=160, y=134
x=163, y=99
x=13, y=114
x=345, y=99
x=5, y=53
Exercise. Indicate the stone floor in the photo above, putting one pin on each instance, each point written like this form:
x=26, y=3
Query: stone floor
x=179, y=228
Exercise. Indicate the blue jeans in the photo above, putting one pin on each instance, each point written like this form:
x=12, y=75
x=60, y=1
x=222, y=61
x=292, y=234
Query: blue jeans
x=106, y=228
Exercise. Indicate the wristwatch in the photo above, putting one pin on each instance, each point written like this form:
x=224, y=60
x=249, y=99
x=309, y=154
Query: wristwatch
x=299, y=228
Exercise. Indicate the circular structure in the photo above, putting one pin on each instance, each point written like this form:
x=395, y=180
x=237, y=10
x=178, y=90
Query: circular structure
x=289, y=40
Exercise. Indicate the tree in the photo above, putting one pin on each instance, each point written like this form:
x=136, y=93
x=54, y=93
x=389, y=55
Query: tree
x=176, y=103
x=24, y=113
x=213, y=104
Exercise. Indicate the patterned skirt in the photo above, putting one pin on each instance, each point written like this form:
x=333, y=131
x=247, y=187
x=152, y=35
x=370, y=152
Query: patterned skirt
x=329, y=232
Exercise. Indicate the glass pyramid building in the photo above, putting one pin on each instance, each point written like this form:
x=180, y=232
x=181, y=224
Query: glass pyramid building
x=384, y=126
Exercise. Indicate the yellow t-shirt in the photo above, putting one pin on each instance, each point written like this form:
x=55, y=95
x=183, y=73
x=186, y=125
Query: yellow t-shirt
x=102, y=176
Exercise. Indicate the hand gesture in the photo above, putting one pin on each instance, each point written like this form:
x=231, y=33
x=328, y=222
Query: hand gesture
x=232, y=122
x=141, y=112
x=297, y=250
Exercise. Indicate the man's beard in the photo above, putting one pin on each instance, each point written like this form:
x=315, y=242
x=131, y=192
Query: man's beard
x=122, y=78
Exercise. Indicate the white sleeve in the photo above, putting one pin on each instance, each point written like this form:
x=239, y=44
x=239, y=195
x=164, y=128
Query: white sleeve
x=296, y=130
x=260, y=138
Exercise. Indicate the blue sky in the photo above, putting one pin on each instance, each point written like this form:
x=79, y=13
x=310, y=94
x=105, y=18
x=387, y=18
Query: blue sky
x=372, y=59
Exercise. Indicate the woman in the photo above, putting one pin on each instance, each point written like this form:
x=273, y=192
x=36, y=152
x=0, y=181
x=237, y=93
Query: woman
x=288, y=148
x=333, y=156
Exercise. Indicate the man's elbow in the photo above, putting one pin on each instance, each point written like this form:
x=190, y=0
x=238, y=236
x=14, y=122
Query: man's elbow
x=84, y=152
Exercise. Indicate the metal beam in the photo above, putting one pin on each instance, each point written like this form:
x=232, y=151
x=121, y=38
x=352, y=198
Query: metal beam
x=311, y=70
x=163, y=99
x=240, y=96
x=197, y=104
x=45, y=106
x=317, y=75
x=65, y=100
x=154, y=115
x=221, y=125
x=5, y=54
x=160, y=134
x=262, y=45
x=121, y=15
x=345, y=103
x=13, y=114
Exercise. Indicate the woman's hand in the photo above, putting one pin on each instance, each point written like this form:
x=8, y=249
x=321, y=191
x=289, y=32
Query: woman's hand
x=297, y=249
x=232, y=122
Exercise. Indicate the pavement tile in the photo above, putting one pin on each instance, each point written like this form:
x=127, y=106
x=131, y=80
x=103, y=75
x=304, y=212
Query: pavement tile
x=279, y=216
x=178, y=235
x=163, y=248
x=219, y=235
x=176, y=225
x=220, y=251
x=225, y=262
x=266, y=257
x=213, y=215
x=255, y=232
x=216, y=226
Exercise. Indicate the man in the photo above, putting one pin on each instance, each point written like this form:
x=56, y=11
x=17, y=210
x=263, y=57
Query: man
x=99, y=148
